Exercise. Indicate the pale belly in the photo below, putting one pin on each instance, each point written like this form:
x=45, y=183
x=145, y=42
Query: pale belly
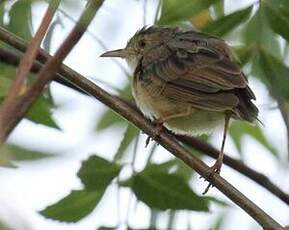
x=197, y=123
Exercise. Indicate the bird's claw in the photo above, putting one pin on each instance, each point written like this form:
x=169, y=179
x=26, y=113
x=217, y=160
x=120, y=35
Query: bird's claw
x=215, y=169
x=159, y=127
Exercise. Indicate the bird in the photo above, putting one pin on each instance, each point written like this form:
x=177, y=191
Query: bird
x=187, y=81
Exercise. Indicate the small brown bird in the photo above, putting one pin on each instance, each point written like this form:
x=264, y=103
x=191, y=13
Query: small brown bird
x=187, y=81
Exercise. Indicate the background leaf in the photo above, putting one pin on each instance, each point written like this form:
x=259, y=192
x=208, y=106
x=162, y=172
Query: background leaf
x=108, y=119
x=278, y=16
x=178, y=10
x=259, y=35
x=166, y=191
x=239, y=129
x=22, y=154
x=225, y=24
x=41, y=113
x=73, y=207
x=129, y=135
x=275, y=74
x=20, y=19
x=97, y=173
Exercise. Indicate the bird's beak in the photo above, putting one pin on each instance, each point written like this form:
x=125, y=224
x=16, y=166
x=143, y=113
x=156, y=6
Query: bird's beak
x=115, y=53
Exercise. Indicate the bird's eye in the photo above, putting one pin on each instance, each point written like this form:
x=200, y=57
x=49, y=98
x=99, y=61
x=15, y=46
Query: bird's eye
x=142, y=44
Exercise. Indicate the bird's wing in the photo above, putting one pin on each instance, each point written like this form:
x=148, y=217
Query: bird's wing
x=197, y=71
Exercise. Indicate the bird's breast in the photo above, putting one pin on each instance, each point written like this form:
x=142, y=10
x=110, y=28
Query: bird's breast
x=154, y=105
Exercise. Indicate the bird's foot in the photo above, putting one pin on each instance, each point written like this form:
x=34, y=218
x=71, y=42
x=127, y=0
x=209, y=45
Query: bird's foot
x=159, y=128
x=215, y=169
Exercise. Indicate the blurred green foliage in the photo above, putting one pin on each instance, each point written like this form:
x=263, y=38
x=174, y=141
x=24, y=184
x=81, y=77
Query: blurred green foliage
x=262, y=40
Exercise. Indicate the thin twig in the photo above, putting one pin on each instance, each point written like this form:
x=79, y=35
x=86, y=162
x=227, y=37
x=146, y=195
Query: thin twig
x=31, y=52
x=22, y=104
x=66, y=73
x=169, y=142
x=23, y=70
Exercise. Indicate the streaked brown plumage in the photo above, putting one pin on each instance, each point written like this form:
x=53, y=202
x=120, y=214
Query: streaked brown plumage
x=187, y=81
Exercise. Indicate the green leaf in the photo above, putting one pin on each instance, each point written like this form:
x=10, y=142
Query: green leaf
x=5, y=159
x=97, y=173
x=21, y=154
x=278, y=16
x=166, y=191
x=4, y=86
x=75, y=206
x=218, y=225
x=259, y=35
x=242, y=54
x=227, y=23
x=179, y=10
x=239, y=129
x=2, y=12
x=41, y=113
x=108, y=119
x=130, y=134
x=20, y=19
x=275, y=74
x=219, y=8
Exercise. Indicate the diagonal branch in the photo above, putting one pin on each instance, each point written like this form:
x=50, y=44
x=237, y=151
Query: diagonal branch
x=166, y=140
x=13, y=58
x=31, y=52
x=8, y=106
x=23, y=103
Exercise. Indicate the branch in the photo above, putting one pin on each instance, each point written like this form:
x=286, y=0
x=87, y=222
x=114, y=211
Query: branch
x=167, y=140
x=65, y=73
x=23, y=103
x=30, y=54
x=8, y=107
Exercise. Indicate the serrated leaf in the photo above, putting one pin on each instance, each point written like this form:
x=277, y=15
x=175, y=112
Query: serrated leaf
x=166, y=191
x=108, y=119
x=20, y=19
x=278, y=16
x=41, y=113
x=130, y=134
x=227, y=23
x=75, y=206
x=97, y=173
x=179, y=10
x=275, y=74
x=239, y=129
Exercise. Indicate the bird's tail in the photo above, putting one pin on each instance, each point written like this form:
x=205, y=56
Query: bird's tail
x=246, y=109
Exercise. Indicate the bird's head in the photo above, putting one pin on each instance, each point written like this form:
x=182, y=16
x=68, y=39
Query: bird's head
x=142, y=42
